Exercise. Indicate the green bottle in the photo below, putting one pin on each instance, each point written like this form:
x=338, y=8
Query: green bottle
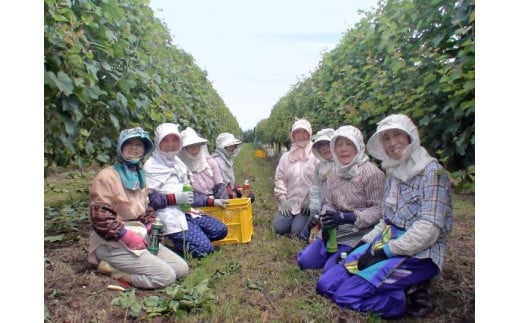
x=155, y=236
x=186, y=188
x=332, y=244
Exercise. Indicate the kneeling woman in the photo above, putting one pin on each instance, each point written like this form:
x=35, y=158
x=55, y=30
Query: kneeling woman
x=190, y=232
x=406, y=249
x=120, y=215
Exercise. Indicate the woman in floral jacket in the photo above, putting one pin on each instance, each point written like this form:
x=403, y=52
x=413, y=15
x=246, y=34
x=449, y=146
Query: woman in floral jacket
x=120, y=218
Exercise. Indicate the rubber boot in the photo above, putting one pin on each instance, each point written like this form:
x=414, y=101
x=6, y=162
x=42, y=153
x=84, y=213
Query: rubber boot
x=419, y=300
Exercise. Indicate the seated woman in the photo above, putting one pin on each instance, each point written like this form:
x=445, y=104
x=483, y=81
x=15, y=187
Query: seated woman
x=191, y=232
x=405, y=250
x=120, y=215
x=324, y=169
x=353, y=202
x=206, y=179
x=227, y=148
x=293, y=179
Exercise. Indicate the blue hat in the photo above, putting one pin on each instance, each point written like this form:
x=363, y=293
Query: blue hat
x=136, y=132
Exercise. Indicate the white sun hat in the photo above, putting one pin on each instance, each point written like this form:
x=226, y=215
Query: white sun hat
x=190, y=137
x=323, y=135
x=394, y=121
x=227, y=139
x=302, y=124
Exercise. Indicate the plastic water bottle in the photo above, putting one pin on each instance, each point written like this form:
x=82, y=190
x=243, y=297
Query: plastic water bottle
x=332, y=244
x=245, y=189
x=186, y=188
x=155, y=236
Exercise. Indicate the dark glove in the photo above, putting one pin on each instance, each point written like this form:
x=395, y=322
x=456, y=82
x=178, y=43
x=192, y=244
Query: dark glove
x=324, y=235
x=332, y=219
x=371, y=257
x=230, y=192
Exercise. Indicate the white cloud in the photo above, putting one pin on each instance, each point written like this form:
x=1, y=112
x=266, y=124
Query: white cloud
x=254, y=51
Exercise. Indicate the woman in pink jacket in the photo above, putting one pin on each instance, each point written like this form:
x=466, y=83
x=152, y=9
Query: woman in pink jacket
x=293, y=180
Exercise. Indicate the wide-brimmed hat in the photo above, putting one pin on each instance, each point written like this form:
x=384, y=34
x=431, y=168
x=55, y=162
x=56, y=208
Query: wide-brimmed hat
x=190, y=137
x=394, y=121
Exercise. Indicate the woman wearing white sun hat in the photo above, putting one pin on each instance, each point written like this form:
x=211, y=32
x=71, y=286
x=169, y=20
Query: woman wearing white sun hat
x=205, y=174
x=227, y=148
x=389, y=273
x=190, y=232
x=293, y=179
x=353, y=201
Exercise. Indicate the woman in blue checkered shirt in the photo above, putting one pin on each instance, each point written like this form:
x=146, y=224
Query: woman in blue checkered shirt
x=388, y=274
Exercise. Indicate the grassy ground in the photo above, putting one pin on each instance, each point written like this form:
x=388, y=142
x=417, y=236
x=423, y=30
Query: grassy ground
x=257, y=281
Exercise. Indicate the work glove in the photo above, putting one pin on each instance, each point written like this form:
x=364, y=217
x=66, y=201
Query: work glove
x=324, y=236
x=133, y=240
x=332, y=219
x=285, y=207
x=184, y=198
x=220, y=202
x=230, y=192
x=371, y=257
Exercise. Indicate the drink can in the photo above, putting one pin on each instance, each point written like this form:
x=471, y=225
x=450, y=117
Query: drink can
x=155, y=236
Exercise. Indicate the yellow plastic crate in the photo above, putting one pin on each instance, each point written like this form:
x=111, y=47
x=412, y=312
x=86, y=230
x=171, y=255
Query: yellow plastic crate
x=259, y=153
x=238, y=217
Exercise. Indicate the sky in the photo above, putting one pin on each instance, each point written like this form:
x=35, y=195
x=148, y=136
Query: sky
x=255, y=51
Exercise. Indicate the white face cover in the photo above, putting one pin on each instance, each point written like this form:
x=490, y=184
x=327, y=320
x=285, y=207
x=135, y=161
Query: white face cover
x=169, y=155
x=302, y=143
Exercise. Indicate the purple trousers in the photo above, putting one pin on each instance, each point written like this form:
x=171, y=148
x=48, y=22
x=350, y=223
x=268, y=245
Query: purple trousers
x=388, y=300
x=315, y=256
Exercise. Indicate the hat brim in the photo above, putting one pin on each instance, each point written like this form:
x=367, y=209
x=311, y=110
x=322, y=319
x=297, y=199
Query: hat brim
x=194, y=141
x=233, y=142
x=375, y=146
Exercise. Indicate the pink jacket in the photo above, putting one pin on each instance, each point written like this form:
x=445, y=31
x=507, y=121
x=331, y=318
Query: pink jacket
x=293, y=178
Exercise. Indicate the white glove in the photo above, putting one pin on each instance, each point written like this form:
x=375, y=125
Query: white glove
x=285, y=207
x=184, y=198
x=220, y=202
